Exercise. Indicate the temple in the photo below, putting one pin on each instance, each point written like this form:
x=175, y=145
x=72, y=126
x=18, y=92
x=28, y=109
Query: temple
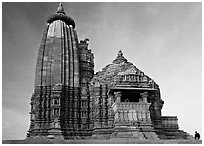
x=71, y=102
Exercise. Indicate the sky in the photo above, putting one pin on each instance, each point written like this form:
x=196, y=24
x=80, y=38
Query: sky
x=162, y=39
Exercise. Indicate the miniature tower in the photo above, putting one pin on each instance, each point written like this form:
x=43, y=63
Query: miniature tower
x=55, y=103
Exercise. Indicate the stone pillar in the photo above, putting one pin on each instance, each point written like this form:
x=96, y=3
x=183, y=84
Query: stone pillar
x=97, y=113
x=101, y=112
x=144, y=96
x=110, y=111
x=105, y=105
x=88, y=122
x=118, y=96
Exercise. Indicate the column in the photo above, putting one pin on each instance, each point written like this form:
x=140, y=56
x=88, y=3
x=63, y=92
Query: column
x=144, y=96
x=118, y=96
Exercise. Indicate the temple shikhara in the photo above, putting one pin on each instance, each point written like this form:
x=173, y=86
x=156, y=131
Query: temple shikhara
x=70, y=101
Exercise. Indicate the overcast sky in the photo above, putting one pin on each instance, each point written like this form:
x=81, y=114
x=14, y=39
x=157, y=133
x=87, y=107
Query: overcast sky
x=161, y=39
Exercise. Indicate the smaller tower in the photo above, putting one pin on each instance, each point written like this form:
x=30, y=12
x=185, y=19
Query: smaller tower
x=86, y=74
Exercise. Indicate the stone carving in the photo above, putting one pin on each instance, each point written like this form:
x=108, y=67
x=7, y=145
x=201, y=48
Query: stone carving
x=57, y=86
x=117, y=97
x=60, y=8
x=71, y=102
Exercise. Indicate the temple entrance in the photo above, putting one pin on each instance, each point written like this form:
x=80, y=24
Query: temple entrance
x=133, y=94
x=130, y=96
x=131, y=114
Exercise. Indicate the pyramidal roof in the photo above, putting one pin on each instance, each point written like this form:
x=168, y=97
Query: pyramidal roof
x=130, y=71
x=110, y=73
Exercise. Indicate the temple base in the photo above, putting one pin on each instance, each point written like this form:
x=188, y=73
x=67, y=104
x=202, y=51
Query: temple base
x=101, y=133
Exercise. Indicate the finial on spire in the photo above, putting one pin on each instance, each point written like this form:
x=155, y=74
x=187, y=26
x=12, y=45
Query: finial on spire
x=60, y=9
x=120, y=53
x=120, y=58
x=61, y=15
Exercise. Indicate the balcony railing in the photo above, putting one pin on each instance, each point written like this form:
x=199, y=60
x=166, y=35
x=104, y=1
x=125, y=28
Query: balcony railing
x=131, y=106
x=130, y=111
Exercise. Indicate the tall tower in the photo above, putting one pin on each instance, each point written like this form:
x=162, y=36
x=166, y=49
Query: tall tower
x=55, y=103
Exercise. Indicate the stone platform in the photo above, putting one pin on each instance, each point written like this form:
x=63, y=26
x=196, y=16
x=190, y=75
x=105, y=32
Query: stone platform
x=98, y=141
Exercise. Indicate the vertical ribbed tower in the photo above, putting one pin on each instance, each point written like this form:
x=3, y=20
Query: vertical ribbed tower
x=55, y=103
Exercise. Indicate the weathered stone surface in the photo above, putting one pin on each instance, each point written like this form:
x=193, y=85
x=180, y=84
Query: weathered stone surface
x=70, y=102
x=56, y=102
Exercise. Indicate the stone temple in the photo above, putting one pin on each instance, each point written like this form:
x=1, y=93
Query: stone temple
x=71, y=102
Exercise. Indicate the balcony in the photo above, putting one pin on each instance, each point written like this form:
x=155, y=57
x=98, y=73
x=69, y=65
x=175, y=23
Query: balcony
x=131, y=106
